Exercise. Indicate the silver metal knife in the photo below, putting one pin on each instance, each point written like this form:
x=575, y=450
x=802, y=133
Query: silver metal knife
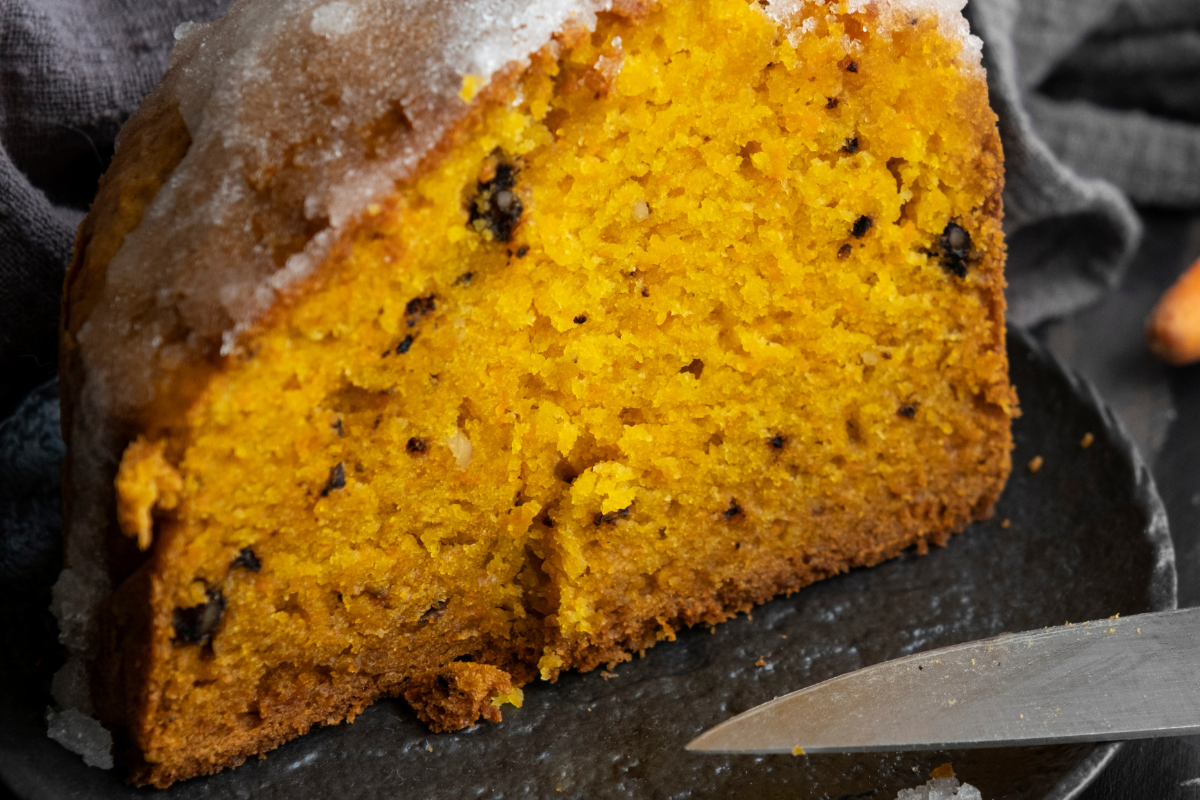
x=1121, y=678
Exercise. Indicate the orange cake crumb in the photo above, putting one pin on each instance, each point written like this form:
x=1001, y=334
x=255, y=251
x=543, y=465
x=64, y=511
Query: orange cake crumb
x=457, y=691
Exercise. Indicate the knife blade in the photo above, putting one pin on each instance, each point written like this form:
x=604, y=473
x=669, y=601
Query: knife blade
x=1121, y=678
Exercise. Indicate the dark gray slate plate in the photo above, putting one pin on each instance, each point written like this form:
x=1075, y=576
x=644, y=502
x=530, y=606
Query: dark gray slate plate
x=1088, y=539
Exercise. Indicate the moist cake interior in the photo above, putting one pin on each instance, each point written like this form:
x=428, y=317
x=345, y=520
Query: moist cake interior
x=693, y=312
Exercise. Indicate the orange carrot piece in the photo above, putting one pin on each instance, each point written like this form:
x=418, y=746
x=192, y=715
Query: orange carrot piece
x=1173, y=330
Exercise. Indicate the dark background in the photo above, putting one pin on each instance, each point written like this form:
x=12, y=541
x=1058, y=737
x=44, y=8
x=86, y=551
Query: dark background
x=1160, y=406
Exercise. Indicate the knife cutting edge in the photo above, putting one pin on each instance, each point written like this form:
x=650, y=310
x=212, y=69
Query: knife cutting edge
x=1121, y=678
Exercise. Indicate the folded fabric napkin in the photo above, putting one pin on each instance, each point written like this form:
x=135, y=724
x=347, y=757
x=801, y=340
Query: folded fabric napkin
x=1099, y=103
x=1093, y=96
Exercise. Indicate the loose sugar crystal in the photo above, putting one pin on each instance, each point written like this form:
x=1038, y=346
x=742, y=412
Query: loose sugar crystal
x=81, y=734
x=941, y=789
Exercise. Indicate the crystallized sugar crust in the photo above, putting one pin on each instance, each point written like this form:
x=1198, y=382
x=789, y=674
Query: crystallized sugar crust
x=300, y=114
x=891, y=14
x=941, y=789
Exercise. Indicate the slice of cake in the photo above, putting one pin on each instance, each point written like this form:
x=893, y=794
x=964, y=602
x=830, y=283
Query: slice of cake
x=425, y=350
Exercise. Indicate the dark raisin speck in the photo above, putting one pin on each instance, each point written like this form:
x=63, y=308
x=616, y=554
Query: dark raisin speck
x=611, y=517
x=404, y=345
x=582, y=318
x=777, y=441
x=416, y=445
x=831, y=102
x=861, y=226
x=734, y=510
x=851, y=145
x=341, y=430
x=435, y=612
x=522, y=252
x=844, y=251
x=852, y=66
x=955, y=244
x=337, y=479
x=195, y=625
x=496, y=204
x=464, y=279
x=247, y=560
x=419, y=307
x=908, y=411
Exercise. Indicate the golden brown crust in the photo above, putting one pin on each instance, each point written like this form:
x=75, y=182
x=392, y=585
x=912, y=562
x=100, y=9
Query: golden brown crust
x=319, y=705
x=989, y=219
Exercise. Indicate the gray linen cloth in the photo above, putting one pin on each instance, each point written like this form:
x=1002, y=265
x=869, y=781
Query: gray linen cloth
x=1094, y=96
